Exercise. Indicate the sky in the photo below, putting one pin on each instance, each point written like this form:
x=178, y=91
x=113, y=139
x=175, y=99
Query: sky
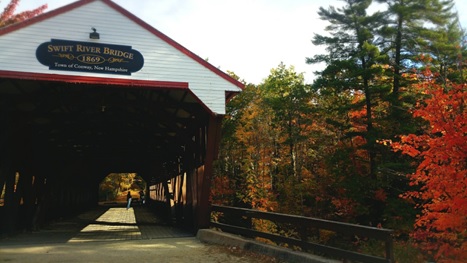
x=247, y=37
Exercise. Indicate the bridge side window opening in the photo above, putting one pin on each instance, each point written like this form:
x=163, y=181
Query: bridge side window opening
x=15, y=189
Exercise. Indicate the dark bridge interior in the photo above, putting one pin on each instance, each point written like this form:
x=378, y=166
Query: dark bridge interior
x=63, y=138
x=98, y=122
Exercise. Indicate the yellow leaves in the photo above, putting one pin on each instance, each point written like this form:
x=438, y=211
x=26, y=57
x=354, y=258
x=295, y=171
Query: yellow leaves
x=386, y=142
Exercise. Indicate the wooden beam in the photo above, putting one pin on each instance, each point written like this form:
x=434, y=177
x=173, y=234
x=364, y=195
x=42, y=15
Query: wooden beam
x=204, y=206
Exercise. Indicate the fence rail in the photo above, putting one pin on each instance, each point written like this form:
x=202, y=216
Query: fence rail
x=302, y=224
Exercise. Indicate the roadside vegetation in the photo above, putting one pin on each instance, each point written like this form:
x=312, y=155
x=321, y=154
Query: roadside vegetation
x=378, y=139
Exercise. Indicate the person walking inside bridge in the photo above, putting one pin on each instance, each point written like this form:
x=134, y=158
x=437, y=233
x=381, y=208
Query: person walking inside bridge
x=128, y=200
x=141, y=197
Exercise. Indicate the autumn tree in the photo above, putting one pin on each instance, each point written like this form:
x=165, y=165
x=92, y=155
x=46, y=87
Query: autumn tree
x=8, y=16
x=285, y=93
x=440, y=180
x=446, y=49
x=110, y=187
x=416, y=34
x=242, y=176
x=355, y=70
x=409, y=27
x=117, y=184
x=265, y=134
x=352, y=59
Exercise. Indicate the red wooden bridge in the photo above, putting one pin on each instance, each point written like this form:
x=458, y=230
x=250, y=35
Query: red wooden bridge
x=71, y=112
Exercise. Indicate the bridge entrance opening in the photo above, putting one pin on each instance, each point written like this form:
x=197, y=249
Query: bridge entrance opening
x=62, y=137
x=114, y=189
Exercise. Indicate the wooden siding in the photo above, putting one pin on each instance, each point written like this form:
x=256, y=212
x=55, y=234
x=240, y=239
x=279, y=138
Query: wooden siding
x=162, y=61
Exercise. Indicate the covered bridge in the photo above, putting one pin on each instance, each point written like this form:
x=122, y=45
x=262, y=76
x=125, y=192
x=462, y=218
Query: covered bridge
x=89, y=89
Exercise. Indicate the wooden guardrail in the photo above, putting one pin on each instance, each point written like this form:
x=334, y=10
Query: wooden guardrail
x=302, y=224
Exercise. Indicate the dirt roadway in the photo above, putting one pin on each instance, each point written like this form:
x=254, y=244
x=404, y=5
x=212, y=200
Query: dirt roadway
x=170, y=250
x=115, y=234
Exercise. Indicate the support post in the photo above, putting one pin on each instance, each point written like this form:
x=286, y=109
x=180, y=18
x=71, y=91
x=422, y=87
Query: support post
x=212, y=147
x=167, y=202
x=11, y=206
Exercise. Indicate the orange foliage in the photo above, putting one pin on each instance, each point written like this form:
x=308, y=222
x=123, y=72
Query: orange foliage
x=442, y=171
x=381, y=195
x=221, y=187
x=345, y=207
x=8, y=15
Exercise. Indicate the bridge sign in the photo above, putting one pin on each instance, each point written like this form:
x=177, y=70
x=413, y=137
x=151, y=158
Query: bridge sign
x=89, y=57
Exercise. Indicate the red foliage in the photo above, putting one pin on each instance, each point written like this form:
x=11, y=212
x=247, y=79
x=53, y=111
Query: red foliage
x=8, y=16
x=221, y=187
x=381, y=195
x=442, y=171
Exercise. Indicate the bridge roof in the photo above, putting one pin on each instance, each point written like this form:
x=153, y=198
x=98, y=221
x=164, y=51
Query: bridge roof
x=166, y=63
